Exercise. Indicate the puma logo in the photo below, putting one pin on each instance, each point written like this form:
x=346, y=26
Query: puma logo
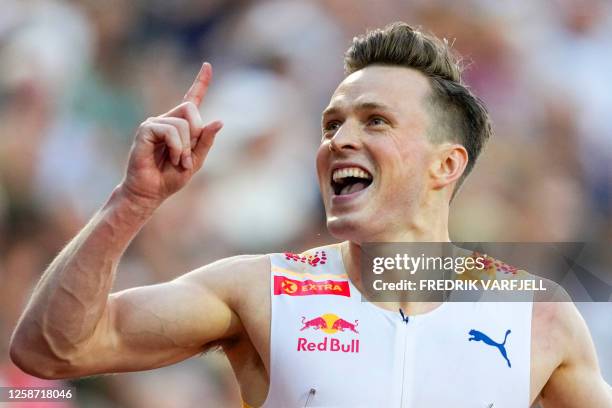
x=480, y=336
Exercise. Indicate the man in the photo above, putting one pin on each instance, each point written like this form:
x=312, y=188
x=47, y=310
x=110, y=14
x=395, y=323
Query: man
x=399, y=135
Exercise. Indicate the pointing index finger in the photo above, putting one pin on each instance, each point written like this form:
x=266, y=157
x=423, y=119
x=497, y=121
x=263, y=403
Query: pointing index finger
x=196, y=92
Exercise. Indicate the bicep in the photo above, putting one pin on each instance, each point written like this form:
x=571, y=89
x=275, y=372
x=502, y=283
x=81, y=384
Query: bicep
x=153, y=326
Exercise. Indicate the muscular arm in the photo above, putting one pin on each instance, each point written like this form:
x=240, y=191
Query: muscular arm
x=70, y=301
x=72, y=326
x=576, y=381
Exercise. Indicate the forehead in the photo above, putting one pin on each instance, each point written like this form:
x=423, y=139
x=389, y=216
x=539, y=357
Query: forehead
x=403, y=89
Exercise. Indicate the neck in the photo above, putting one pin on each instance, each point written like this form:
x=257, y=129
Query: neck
x=430, y=226
x=426, y=223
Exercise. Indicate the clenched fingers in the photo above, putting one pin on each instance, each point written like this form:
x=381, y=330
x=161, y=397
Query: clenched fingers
x=156, y=132
x=189, y=112
x=184, y=132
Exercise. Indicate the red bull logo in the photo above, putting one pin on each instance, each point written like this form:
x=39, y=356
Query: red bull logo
x=329, y=323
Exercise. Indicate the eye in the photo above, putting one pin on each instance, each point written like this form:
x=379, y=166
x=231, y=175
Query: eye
x=377, y=121
x=331, y=126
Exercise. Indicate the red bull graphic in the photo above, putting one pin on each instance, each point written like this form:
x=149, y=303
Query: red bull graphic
x=319, y=258
x=316, y=323
x=342, y=325
x=292, y=287
x=329, y=323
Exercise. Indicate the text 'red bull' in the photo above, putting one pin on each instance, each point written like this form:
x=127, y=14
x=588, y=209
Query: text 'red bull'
x=328, y=344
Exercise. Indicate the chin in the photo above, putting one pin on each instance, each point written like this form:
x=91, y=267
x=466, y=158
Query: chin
x=347, y=228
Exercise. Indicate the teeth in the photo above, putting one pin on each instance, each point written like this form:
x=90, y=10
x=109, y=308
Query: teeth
x=350, y=172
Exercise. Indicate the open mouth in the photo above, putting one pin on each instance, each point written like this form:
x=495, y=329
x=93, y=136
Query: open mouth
x=350, y=180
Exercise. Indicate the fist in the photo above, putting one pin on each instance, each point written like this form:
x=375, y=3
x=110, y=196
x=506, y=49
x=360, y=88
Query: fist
x=169, y=149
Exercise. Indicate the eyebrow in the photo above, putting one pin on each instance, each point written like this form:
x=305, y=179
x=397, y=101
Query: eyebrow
x=332, y=110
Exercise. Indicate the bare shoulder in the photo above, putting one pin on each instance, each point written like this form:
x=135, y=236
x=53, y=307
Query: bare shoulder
x=555, y=316
x=555, y=320
x=232, y=279
x=563, y=354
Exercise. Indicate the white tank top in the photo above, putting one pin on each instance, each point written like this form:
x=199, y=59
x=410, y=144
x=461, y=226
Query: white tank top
x=330, y=349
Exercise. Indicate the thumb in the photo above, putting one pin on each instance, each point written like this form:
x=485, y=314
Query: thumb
x=205, y=140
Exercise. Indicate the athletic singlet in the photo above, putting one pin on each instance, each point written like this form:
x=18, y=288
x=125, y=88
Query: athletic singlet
x=330, y=349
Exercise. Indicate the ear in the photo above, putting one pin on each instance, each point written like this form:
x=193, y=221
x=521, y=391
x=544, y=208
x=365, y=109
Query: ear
x=450, y=161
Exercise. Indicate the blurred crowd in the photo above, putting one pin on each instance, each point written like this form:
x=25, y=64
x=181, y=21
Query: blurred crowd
x=77, y=77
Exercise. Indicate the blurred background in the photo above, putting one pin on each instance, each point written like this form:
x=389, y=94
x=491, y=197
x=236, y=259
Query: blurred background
x=77, y=77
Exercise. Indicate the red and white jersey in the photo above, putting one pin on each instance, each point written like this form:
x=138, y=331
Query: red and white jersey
x=330, y=349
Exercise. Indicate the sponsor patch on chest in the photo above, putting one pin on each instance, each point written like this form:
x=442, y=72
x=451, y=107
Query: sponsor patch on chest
x=308, y=287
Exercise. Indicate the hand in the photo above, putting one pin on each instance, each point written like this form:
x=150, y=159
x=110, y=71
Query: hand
x=169, y=149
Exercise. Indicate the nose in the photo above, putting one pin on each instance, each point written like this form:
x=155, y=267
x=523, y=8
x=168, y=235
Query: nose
x=345, y=138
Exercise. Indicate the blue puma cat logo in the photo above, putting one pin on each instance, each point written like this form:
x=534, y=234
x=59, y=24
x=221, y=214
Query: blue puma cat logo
x=480, y=336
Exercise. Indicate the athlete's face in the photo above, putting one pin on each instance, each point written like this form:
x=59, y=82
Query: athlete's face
x=374, y=154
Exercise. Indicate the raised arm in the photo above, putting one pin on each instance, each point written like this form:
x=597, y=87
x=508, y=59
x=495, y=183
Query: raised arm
x=73, y=327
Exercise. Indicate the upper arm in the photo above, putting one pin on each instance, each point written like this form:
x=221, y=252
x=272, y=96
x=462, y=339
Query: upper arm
x=577, y=380
x=153, y=326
